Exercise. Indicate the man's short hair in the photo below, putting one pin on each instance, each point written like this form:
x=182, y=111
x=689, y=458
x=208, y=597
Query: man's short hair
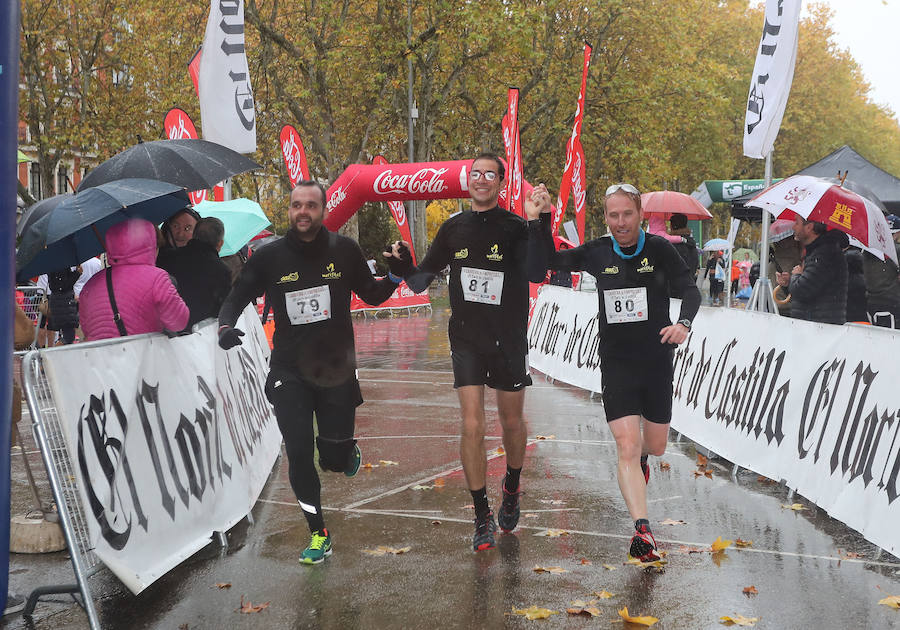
x=311, y=182
x=819, y=228
x=678, y=221
x=209, y=230
x=501, y=170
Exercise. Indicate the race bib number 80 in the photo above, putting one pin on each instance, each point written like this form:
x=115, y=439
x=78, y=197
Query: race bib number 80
x=625, y=305
x=481, y=285
x=308, y=305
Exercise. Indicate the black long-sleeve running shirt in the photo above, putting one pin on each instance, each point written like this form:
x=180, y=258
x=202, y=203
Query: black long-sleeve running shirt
x=486, y=252
x=656, y=269
x=300, y=279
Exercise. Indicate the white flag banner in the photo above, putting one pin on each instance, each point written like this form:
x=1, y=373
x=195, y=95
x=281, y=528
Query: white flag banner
x=772, y=77
x=732, y=232
x=227, y=113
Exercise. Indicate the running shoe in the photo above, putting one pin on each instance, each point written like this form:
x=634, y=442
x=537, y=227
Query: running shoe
x=643, y=545
x=508, y=516
x=645, y=468
x=319, y=548
x=484, y=532
x=355, y=460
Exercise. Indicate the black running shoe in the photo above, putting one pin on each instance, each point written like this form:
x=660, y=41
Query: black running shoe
x=645, y=468
x=643, y=545
x=508, y=516
x=484, y=532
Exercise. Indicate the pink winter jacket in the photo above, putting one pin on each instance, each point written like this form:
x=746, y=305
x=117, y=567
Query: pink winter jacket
x=146, y=297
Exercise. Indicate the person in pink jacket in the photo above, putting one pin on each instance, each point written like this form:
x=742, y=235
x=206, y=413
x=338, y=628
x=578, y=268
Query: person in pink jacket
x=146, y=298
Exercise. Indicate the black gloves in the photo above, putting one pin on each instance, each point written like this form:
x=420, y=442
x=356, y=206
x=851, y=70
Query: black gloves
x=229, y=337
x=399, y=267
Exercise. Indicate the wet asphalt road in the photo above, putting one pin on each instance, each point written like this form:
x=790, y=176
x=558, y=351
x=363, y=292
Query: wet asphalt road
x=801, y=562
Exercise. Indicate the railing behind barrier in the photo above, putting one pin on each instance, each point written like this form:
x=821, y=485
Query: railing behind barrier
x=393, y=311
x=30, y=302
x=49, y=437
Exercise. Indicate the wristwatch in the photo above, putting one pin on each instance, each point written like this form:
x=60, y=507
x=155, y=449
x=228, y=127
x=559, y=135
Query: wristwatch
x=684, y=322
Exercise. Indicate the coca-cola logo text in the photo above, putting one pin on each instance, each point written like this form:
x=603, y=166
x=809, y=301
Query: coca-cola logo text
x=291, y=157
x=337, y=197
x=424, y=181
x=399, y=212
x=578, y=191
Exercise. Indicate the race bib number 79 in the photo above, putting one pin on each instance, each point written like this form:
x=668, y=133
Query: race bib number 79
x=308, y=305
x=481, y=285
x=625, y=305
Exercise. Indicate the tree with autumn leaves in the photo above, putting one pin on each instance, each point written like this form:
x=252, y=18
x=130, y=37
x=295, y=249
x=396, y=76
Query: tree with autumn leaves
x=665, y=94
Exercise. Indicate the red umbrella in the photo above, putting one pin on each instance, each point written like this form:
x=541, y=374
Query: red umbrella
x=669, y=202
x=817, y=199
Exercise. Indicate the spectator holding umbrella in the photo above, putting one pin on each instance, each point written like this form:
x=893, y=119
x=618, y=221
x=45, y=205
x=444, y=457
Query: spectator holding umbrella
x=883, y=283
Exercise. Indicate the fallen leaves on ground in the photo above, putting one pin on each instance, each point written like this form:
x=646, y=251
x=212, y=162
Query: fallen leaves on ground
x=247, y=608
x=686, y=549
x=553, y=533
x=584, y=561
x=664, y=465
x=553, y=501
x=381, y=550
x=893, y=601
x=585, y=611
x=530, y=515
x=468, y=507
x=603, y=594
x=739, y=620
x=440, y=482
x=750, y=590
x=534, y=612
x=743, y=543
x=794, y=506
x=719, y=545
x=421, y=487
x=635, y=562
x=848, y=554
x=644, y=620
x=544, y=437
x=387, y=462
x=702, y=461
x=670, y=521
x=609, y=567
x=705, y=472
x=223, y=584
x=549, y=570
x=766, y=480
x=369, y=466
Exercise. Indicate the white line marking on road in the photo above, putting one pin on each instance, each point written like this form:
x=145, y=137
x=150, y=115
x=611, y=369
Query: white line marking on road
x=677, y=496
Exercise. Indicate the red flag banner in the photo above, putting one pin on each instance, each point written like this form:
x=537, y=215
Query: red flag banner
x=568, y=172
x=514, y=177
x=294, y=155
x=194, y=70
x=399, y=214
x=178, y=126
x=578, y=189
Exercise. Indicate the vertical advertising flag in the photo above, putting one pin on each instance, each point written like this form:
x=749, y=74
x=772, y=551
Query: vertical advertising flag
x=574, y=158
x=294, y=154
x=178, y=126
x=399, y=214
x=578, y=189
x=226, y=96
x=194, y=70
x=514, y=177
x=773, y=74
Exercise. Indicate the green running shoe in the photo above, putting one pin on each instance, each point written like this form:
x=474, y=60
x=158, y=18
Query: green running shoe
x=355, y=460
x=319, y=548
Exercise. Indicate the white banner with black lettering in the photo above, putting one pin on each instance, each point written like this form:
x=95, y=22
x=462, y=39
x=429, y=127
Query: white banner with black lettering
x=170, y=441
x=816, y=405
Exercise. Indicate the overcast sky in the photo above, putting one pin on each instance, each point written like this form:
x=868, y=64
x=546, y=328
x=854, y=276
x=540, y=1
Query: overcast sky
x=870, y=30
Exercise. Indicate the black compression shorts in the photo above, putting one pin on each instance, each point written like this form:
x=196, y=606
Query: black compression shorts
x=638, y=388
x=488, y=366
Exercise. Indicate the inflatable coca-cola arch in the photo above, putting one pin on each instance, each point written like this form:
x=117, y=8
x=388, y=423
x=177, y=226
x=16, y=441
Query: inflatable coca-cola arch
x=398, y=182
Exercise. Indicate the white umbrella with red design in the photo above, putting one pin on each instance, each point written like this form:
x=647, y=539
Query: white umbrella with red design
x=817, y=199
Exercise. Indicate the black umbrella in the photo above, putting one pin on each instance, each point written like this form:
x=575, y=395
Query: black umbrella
x=191, y=164
x=72, y=232
x=37, y=210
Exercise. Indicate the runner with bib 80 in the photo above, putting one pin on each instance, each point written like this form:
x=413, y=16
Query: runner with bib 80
x=635, y=272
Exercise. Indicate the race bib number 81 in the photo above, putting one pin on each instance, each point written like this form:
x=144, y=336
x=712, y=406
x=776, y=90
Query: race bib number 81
x=625, y=305
x=481, y=285
x=308, y=305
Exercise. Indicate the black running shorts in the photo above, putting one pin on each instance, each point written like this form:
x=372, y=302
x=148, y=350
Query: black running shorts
x=488, y=366
x=638, y=387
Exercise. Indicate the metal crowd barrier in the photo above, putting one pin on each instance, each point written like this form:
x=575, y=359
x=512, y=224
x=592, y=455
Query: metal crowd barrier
x=33, y=296
x=49, y=437
x=392, y=311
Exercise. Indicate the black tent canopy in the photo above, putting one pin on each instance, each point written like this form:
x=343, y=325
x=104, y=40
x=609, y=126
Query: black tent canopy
x=859, y=170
